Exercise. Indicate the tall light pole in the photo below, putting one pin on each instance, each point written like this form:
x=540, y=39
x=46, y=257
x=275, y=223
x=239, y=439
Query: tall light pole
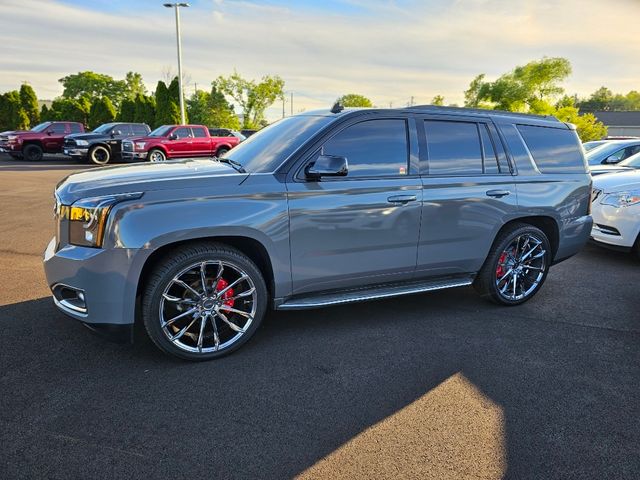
x=177, y=6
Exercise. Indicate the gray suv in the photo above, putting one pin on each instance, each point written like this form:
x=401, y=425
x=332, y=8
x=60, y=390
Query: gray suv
x=319, y=209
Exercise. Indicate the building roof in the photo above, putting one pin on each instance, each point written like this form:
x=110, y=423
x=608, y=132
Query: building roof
x=619, y=119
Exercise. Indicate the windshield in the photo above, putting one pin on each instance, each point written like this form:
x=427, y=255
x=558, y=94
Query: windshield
x=161, y=131
x=41, y=127
x=598, y=154
x=104, y=128
x=632, y=161
x=267, y=149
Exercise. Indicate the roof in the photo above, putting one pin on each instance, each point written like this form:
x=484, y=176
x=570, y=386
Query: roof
x=619, y=119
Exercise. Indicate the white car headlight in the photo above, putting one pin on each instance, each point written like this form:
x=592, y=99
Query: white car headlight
x=12, y=137
x=140, y=145
x=82, y=143
x=622, y=199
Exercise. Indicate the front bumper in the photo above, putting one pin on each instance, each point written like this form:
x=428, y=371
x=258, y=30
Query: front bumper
x=76, y=151
x=107, y=279
x=133, y=156
x=618, y=226
x=10, y=148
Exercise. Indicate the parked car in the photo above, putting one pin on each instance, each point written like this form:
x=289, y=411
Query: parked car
x=225, y=132
x=247, y=132
x=319, y=209
x=46, y=137
x=104, y=144
x=630, y=164
x=593, y=144
x=613, y=151
x=177, y=141
x=616, y=211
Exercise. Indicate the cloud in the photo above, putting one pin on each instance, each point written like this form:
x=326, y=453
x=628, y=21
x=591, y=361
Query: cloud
x=388, y=51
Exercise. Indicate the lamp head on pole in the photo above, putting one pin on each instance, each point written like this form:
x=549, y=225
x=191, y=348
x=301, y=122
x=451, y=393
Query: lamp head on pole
x=171, y=5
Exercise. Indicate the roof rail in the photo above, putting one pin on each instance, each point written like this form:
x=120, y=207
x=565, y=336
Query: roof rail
x=482, y=111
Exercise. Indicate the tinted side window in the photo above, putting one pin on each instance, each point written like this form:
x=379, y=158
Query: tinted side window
x=490, y=157
x=58, y=128
x=139, y=130
x=182, y=132
x=124, y=129
x=75, y=128
x=372, y=147
x=453, y=147
x=199, y=132
x=553, y=149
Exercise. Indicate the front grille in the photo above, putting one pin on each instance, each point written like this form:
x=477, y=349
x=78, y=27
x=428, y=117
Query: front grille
x=127, y=146
x=70, y=143
x=595, y=194
x=4, y=141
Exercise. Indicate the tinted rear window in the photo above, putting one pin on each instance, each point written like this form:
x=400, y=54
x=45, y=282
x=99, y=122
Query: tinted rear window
x=554, y=150
x=454, y=148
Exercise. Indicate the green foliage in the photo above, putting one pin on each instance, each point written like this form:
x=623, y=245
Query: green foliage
x=45, y=115
x=102, y=111
x=605, y=99
x=127, y=111
x=355, y=100
x=29, y=103
x=70, y=110
x=12, y=114
x=519, y=90
x=134, y=85
x=212, y=109
x=92, y=86
x=167, y=109
x=145, y=110
x=253, y=97
x=438, y=100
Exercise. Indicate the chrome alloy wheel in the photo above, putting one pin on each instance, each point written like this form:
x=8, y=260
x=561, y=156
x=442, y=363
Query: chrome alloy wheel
x=521, y=267
x=157, y=156
x=208, y=306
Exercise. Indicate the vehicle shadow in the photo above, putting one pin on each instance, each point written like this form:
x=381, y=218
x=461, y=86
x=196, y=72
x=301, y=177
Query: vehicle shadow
x=317, y=393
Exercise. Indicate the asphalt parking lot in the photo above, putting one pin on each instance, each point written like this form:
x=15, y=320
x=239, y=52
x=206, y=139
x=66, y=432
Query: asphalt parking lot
x=439, y=385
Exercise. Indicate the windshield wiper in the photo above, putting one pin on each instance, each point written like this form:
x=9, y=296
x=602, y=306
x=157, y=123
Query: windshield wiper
x=236, y=165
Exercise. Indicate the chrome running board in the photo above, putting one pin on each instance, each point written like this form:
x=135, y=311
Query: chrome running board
x=374, y=292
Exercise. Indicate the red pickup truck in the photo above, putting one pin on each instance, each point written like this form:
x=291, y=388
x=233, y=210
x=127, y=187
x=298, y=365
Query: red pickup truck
x=48, y=137
x=176, y=141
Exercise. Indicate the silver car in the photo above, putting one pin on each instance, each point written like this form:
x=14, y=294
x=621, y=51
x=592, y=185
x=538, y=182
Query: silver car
x=319, y=209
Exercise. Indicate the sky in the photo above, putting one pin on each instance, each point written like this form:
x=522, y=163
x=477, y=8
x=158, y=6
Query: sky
x=386, y=50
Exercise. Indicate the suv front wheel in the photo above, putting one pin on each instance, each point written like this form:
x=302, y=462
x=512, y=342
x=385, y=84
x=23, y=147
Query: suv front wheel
x=516, y=267
x=204, y=301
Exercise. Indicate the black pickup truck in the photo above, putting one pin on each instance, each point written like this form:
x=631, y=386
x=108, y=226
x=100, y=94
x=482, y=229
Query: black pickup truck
x=104, y=144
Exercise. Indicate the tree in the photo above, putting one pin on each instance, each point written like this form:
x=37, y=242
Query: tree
x=127, y=111
x=102, y=111
x=174, y=97
x=134, y=85
x=45, y=115
x=519, y=90
x=253, y=97
x=438, y=100
x=605, y=99
x=354, y=100
x=71, y=110
x=588, y=126
x=167, y=110
x=29, y=103
x=93, y=85
x=212, y=109
x=145, y=110
x=12, y=115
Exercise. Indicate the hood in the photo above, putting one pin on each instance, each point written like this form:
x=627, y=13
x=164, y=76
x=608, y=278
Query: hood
x=618, y=182
x=600, y=169
x=87, y=136
x=146, y=177
x=146, y=138
x=15, y=132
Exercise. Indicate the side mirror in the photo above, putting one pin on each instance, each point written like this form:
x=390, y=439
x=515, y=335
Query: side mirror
x=173, y=136
x=612, y=159
x=328, y=166
x=49, y=132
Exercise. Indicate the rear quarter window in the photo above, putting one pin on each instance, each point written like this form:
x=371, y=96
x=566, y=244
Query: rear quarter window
x=554, y=150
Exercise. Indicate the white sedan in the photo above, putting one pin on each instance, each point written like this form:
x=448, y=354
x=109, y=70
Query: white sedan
x=615, y=207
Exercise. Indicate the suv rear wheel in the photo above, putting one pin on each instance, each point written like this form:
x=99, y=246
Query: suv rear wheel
x=204, y=301
x=516, y=266
x=99, y=155
x=32, y=152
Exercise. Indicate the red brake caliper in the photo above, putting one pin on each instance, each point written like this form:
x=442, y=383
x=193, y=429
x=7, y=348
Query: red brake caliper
x=500, y=271
x=226, y=296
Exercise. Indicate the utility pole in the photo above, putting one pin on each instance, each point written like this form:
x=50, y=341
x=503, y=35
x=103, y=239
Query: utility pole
x=292, y=104
x=176, y=7
x=283, y=101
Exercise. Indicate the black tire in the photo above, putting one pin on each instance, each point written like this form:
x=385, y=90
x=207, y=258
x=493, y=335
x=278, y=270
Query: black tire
x=221, y=151
x=99, y=155
x=32, y=152
x=157, y=153
x=493, y=269
x=161, y=280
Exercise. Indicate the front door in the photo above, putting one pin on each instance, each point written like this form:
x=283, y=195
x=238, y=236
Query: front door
x=468, y=194
x=363, y=228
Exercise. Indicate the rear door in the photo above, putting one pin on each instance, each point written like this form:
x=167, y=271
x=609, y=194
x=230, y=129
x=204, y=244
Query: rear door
x=54, y=137
x=363, y=228
x=468, y=193
x=201, y=142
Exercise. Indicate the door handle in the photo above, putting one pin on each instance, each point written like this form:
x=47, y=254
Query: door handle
x=404, y=199
x=498, y=193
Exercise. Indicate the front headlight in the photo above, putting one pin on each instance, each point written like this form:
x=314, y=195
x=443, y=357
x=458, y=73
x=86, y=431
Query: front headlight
x=12, y=138
x=622, y=199
x=82, y=143
x=88, y=216
x=140, y=145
